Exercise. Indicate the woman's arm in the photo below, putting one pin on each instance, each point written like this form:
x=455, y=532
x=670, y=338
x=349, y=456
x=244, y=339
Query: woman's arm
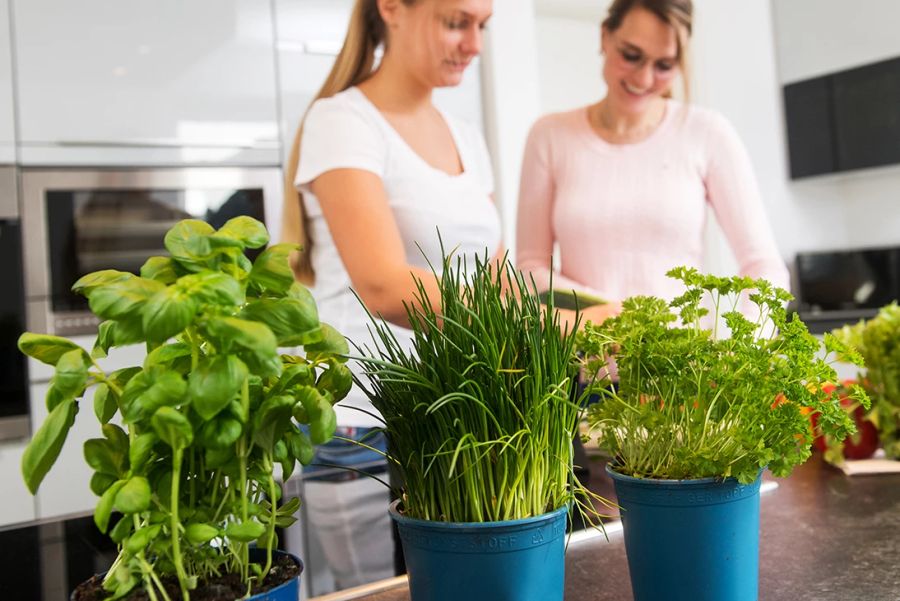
x=734, y=195
x=364, y=230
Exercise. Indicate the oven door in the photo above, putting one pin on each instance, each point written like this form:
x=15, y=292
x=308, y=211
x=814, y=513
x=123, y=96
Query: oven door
x=76, y=222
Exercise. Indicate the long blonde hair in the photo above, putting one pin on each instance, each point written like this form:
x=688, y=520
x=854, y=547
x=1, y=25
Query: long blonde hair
x=353, y=65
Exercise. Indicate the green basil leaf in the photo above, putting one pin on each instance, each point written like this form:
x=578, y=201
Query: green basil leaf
x=134, y=496
x=213, y=287
x=150, y=390
x=104, y=508
x=161, y=269
x=333, y=344
x=250, y=232
x=290, y=320
x=101, y=482
x=215, y=383
x=124, y=299
x=244, y=532
x=200, y=534
x=167, y=313
x=46, y=444
x=172, y=427
x=322, y=420
x=220, y=432
x=104, y=458
x=167, y=354
x=104, y=403
x=90, y=282
x=301, y=447
x=46, y=349
x=140, y=451
x=272, y=420
x=122, y=529
x=272, y=271
x=294, y=374
x=188, y=239
x=254, y=342
x=337, y=380
x=142, y=538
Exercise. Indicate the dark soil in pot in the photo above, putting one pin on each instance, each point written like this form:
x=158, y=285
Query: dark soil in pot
x=226, y=588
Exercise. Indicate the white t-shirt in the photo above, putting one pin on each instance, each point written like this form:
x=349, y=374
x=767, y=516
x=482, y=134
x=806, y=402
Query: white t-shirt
x=347, y=131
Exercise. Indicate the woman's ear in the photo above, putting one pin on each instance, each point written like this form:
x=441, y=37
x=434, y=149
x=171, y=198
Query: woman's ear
x=388, y=10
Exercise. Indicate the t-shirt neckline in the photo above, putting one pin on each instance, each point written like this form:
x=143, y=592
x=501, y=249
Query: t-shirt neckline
x=594, y=138
x=449, y=122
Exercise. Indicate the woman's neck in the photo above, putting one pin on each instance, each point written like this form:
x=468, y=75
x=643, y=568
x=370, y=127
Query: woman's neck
x=620, y=127
x=393, y=89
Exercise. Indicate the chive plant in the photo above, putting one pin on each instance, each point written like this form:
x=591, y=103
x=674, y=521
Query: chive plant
x=479, y=412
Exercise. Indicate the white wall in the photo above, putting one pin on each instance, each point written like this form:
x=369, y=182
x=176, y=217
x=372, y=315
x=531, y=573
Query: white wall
x=568, y=62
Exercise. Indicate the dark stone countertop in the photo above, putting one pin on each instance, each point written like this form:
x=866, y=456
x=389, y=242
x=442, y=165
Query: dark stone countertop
x=824, y=537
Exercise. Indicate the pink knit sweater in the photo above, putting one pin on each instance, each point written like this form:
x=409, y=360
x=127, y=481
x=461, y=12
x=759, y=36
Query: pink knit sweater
x=624, y=214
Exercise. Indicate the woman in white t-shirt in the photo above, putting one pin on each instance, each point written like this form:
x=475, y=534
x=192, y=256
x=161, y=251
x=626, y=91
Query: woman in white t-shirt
x=380, y=170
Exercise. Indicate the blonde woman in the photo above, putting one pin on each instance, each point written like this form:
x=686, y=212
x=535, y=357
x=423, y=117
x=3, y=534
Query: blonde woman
x=622, y=185
x=376, y=171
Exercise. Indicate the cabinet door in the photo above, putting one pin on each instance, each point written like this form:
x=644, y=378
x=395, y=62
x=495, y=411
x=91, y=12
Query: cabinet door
x=139, y=82
x=7, y=115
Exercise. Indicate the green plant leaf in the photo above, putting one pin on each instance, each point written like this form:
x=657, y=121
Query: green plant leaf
x=337, y=380
x=161, y=269
x=167, y=354
x=254, y=342
x=322, y=420
x=101, y=482
x=167, y=313
x=140, y=451
x=104, y=508
x=300, y=446
x=142, y=538
x=90, y=282
x=290, y=320
x=215, y=383
x=244, y=532
x=220, y=432
x=45, y=348
x=105, y=406
x=272, y=420
x=123, y=528
x=188, y=239
x=123, y=299
x=333, y=344
x=134, y=496
x=200, y=534
x=248, y=230
x=149, y=390
x=104, y=458
x=272, y=271
x=71, y=373
x=172, y=428
x=214, y=288
x=118, y=333
x=47, y=442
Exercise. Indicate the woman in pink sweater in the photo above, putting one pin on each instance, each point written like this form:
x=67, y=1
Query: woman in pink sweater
x=622, y=185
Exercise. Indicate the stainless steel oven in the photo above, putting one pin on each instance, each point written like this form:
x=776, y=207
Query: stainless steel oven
x=78, y=221
x=14, y=422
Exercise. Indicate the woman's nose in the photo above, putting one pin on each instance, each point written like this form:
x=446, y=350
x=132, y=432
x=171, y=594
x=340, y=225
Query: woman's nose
x=643, y=75
x=472, y=40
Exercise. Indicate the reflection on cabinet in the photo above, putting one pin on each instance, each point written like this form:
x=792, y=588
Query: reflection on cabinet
x=135, y=82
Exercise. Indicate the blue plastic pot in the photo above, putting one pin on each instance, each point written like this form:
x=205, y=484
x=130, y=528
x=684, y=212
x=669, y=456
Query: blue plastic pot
x=690, y=540
x=516, y=560
x=286, y=591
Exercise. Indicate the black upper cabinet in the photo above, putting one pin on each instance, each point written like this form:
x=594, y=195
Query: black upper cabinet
x=845, y=120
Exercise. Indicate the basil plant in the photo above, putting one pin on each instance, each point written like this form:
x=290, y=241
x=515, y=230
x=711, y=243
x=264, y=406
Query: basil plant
x=191, y=437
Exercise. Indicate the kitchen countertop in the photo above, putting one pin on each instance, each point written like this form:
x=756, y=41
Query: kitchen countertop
x=824, y=537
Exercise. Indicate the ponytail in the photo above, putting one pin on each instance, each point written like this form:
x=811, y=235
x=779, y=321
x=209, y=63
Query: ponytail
x=353, y=65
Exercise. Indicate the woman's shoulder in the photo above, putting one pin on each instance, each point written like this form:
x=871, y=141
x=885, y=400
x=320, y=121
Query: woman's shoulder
x=700, y=120
x=347, y=106
x=562, y=121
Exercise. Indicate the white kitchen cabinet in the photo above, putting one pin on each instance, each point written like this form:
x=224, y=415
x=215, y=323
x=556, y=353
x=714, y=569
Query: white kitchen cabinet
x=16, y=503
x=7, y=111
x=135, y=82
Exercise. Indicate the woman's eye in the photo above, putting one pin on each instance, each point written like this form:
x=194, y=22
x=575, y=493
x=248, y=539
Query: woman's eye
x=456, y=24
x=631, y=57
x=664, y=66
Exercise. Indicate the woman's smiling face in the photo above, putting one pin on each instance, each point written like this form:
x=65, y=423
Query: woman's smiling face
x=437, y=39
x=642, y=60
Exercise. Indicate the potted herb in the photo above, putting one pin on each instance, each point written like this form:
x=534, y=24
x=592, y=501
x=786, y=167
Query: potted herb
x=191, y=438
x=878, y=341
x=480, y=422
x=695, y=417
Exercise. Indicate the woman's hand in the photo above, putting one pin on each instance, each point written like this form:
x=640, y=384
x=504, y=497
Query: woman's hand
x=599, y=313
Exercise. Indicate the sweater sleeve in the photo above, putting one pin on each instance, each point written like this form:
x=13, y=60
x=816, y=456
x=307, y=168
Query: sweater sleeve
x=535, y=236
x=732, y=191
